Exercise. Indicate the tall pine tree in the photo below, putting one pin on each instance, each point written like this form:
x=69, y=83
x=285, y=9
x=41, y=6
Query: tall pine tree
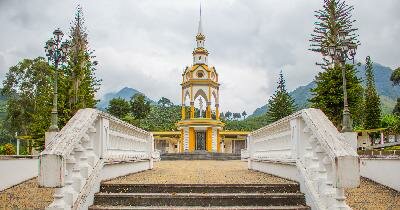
x=281, y=104
x=80, y=82
x=372, y=107
x=328, y=94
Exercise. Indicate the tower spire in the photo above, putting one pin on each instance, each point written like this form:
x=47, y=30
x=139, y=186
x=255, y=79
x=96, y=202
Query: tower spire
x=200, y=29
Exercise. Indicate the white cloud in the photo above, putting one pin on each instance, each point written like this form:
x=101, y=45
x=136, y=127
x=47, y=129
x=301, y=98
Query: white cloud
x=146, y=44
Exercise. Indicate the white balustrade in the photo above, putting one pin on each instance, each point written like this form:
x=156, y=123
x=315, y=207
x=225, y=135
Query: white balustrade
x=307, y=141
x=72, y=161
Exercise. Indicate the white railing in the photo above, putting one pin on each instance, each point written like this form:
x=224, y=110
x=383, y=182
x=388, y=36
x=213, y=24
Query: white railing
x=74, y=158
x=324, y=162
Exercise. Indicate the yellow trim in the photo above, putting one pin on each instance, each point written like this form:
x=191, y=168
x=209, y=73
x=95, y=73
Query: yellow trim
x=200, y=121
x=200, y=82
x=235, y=132
x=165, y=133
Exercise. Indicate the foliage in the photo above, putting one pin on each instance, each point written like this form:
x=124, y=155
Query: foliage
x=164, y=102
x=392, y=123
x=328, y=94
x=9, y=149
x=161, y=118
x=228, y=115
x=333, y=20
x=118, y=107
x=140, y=107
x=236, y=115
x=396, y=110
x=29, y=91
x=281, y=104
x=248, y=124
x=395, y=77
x=80, y=83
x=244, y=114
x=372, y=110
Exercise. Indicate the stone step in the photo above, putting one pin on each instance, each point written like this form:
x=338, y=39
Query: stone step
x=298, y=207
x=199, y=188
x=199, y=199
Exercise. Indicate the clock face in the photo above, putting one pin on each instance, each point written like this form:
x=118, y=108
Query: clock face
x=200, y=74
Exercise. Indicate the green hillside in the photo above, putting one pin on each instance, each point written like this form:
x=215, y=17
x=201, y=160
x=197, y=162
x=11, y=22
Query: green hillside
x=388, y=93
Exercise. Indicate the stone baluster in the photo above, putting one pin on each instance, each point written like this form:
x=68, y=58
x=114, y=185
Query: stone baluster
x=76, y=171
x=341, y=199
x=329, y=190
x=59, y=202
x=83, y=160
x=69, y=193
x=321, y=170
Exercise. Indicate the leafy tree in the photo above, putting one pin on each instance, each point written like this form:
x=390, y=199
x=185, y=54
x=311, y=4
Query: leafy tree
x=244, y=114
x=228, y=115
x=395, y=77
x=140, y=107
x=80, y=82
x=29, y=92
x=281, y=104
x=236, y=115
x=119, y=107
x=372, y=109
x=165, y=102
x=396, y=110
x=328, y=94
x=392, y=123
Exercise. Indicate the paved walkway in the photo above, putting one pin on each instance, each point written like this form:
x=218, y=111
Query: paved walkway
x=200, y=172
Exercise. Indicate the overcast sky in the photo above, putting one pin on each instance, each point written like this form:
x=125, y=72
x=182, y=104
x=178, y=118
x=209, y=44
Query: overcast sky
x=146, y=44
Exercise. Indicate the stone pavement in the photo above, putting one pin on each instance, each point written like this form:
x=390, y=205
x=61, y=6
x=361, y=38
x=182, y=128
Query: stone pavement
x=200, y=172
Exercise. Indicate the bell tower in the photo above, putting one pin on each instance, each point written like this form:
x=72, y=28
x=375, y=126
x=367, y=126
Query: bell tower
x=200, y=127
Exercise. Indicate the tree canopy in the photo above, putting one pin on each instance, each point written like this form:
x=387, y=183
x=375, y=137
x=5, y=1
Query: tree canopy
x=372, y=105
x=281, y=104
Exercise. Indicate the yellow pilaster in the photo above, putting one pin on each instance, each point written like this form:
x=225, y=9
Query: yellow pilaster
x=208, y=111
x=191, y=110
x=218, y=142
x=209, y=140
x=183, y=112
x=181, y=141
x=192, y=139
x=217, y=112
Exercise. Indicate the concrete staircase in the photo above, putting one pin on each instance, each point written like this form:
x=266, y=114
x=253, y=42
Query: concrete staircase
x=199, y=196
x=200, y=155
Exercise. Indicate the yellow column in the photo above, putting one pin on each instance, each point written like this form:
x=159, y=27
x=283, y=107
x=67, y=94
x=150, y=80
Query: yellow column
x=209, y=140
x=218, y=142
x=192, y=139
x=191, y=110
x=181, y=143
x=183, y=112
x=208, y=110
x=217, y=111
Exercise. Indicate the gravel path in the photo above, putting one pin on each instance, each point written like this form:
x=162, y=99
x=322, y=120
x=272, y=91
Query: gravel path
x=200, y=172
x=26, y=195
x=372, y=196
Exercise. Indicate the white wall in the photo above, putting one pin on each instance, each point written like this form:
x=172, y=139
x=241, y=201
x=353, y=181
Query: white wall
x=16, y=170
x=385, y=171
x=284, y=170
x=111, y=171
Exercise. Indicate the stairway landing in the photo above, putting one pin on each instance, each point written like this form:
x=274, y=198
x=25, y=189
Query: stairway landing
x=200, y=172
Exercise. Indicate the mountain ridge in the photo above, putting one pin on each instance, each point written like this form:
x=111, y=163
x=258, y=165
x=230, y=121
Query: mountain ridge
x=387, y=92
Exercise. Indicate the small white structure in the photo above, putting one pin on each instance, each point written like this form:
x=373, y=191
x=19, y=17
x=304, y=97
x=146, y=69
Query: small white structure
x=18, y=168
x=306, y=147
x=91, y=147
x=384, y=170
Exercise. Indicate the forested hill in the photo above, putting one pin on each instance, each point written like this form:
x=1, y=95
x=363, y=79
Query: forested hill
x=388, y=93
x=125, y=93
